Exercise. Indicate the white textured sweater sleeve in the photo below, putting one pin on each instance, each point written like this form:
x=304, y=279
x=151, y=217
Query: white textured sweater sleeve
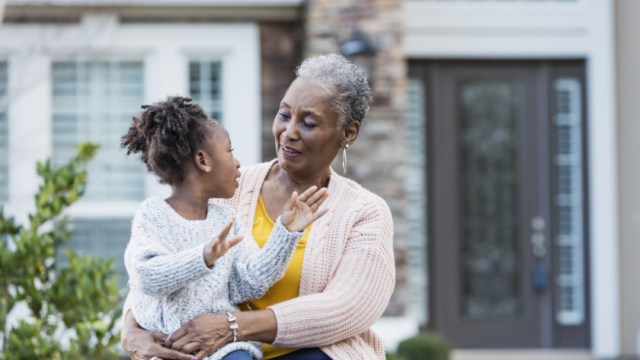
x=153, y=269
x=256, y=270
x=357, y=294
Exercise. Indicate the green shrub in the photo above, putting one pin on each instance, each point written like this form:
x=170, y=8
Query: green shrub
x=393, y=356
x=81, y=298
x=424, y=347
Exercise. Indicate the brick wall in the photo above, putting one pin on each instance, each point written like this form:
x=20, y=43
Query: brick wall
x=377, y=159
x=280, y=52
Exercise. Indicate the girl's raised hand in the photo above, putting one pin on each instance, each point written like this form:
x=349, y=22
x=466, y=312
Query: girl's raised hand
x=220, y=245
x=300, y=211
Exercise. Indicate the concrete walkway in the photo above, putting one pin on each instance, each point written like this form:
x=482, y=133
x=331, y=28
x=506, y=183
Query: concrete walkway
x=521, y=355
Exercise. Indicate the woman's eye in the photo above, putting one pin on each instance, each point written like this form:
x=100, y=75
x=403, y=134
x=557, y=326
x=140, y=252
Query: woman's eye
x=308, y=125
x=231, y=150
x=285, y=116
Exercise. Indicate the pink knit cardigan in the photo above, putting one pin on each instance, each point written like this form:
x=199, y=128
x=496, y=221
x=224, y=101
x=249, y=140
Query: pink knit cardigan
x=348, y=271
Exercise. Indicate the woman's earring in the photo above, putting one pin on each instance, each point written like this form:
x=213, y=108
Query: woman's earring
x=344, y=158
x=207, y=169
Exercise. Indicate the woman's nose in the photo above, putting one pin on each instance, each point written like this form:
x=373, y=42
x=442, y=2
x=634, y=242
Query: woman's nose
x=237, y=163
x=290, y=132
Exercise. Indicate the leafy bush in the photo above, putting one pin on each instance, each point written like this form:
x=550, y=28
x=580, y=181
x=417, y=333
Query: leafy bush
x=424, y=347
x=393, y=356
x=79, y=301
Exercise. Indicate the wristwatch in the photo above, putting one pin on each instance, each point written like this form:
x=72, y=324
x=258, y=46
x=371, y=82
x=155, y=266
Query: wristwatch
x=234, y=326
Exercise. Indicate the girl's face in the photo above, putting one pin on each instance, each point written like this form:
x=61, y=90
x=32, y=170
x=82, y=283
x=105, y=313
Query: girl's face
x=221, y=181
x=306, y=130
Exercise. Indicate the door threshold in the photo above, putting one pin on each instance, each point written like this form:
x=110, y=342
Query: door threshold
x=523, y=354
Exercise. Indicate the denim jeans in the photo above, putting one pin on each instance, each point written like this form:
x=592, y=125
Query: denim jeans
x=305, y=354
x=238, y=355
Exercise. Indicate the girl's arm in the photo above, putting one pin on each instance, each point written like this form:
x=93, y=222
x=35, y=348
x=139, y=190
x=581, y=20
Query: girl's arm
x=153, y=268
x=256, y=270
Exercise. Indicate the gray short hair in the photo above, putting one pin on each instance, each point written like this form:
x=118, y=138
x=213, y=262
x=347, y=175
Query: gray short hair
x=346, y=83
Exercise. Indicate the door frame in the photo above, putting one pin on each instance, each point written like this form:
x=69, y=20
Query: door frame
x=551, y=334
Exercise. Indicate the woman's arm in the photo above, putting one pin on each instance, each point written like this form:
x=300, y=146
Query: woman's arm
x=209, y=333
x=357, y=294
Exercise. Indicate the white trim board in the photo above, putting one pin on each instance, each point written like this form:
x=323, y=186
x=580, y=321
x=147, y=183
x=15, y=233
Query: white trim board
x=547, y=30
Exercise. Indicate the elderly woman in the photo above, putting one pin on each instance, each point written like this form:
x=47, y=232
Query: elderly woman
x=342, y=274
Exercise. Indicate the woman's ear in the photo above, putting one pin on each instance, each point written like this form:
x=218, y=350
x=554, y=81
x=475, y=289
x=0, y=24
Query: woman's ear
x=351, y=132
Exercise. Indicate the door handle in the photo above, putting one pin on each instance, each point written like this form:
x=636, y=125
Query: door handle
x=540, y=274
x=537, y=237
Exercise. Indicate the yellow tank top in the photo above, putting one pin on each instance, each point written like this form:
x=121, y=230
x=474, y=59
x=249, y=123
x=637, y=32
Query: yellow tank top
x=289, y=286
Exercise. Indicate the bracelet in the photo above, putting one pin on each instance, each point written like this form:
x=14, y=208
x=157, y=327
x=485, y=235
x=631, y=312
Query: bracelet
x=233, y=327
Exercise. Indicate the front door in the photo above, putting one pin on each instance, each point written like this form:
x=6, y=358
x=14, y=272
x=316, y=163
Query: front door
x=506, y=202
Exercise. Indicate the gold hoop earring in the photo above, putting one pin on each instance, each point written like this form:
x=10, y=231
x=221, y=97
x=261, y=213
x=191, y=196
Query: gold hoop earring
x=344, y=158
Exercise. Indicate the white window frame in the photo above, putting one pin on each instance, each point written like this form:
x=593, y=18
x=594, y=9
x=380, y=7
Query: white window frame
x=165, y=49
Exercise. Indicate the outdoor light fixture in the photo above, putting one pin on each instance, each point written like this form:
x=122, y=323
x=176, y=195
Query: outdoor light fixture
x=359, y=50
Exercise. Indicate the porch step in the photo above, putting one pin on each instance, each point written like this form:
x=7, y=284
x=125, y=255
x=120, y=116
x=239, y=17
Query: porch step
x=534, y=354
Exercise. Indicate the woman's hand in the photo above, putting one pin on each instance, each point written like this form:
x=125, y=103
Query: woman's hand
x=300, y=211
x=220, y=245
x=206, y=333
x=141, y=344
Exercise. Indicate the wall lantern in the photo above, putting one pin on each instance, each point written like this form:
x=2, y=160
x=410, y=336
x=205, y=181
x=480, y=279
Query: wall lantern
x=359, y=50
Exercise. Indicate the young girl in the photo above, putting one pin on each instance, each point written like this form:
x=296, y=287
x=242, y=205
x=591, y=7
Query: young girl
x=185, y=257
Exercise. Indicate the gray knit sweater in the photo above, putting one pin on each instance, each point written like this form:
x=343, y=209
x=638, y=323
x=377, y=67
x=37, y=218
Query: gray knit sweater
x=170, y=282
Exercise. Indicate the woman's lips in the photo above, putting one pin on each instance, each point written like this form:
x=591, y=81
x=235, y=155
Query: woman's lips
x=289, y=151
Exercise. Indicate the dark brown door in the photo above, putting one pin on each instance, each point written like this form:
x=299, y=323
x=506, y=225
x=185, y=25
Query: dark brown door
x=492, y=158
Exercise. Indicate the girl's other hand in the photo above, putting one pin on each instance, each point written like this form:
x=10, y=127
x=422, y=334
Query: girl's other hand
x=220, y=245
x=300, y=211
x=141, y=344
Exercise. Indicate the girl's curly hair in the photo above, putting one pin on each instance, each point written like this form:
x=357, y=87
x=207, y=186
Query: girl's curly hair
x=166, y=134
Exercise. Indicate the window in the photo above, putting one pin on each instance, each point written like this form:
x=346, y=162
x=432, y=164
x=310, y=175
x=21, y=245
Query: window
x=107, y=238
x=416, y=208
x=4, y=134
x=205, y=87
x=568, y=202
x=95, y=101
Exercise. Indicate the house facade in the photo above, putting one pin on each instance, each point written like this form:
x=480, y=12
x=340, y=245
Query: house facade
x=502, y=136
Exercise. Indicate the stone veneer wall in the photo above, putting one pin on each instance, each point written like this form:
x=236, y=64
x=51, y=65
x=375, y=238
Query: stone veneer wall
x=280, y=54
x=377, y=159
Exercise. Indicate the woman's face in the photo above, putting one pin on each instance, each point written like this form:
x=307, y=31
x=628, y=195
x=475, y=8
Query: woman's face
x=306, y=130
x=221, y=181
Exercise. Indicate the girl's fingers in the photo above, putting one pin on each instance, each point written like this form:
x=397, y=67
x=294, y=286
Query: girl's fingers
x=317, y=204
x=234, y=241
x=321, y=194
x=225, y=232
x=319, y=214
x=190, y=348
x=290, y=205
x=305, y=195
x=165, y=353
x=200, y=355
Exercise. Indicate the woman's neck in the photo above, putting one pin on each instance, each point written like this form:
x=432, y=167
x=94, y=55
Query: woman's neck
x=187, y=201
x=293, y=182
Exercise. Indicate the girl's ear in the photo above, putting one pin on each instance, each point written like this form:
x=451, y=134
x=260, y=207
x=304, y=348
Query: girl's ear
x=202, y=160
